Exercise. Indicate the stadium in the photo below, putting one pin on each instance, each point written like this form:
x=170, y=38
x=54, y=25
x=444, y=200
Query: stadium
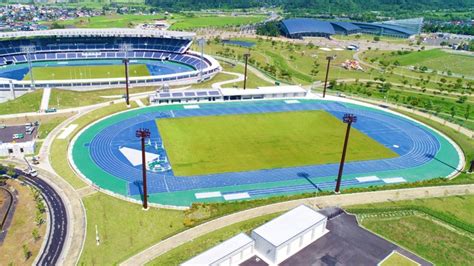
x=84, y=59
x=307, y=27
x=224, y=151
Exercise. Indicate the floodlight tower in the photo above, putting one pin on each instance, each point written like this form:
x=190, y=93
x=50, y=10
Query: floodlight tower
x=143, y=133
x=28, y=50
x=246, y=56
x=201, y=43
x=329, y=58
x=348, y=119
x=125, y=48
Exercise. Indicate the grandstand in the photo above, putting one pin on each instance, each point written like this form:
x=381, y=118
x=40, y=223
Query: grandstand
x=98, y=45
x=307, y=27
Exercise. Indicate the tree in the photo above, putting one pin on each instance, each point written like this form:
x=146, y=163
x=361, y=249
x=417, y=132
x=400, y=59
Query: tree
x=36, y=235
x=26, y=252
x=452, y=112
x=11, y=170
x=468, y=112
x=376, y=38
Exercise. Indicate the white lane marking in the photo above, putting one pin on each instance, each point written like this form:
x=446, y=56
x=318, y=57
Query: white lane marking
x=235, y=196
x=367, y=178
x=394, y=180
x=205, y=195
x=292, y=101
x=134, y=156
x=191, y=106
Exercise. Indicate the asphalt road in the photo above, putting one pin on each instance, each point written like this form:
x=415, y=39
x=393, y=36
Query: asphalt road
x=58, y=221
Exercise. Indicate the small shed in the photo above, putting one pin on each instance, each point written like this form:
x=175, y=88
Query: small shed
x=287, y=234
x=230, y=252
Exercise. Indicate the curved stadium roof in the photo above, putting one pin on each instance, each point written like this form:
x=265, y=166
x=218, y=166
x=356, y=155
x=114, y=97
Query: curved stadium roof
x=385, y=26
x=348, y=26
x=307, y=25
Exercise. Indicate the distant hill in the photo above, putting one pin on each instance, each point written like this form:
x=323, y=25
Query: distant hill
x=318, y=6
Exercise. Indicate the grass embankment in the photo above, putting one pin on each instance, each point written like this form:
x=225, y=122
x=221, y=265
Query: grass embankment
x=435, y=59
x=200, y=244
x=20, y=246
x=429, y=227
x=29, y=102
x=87, y=72
x=59, y=147
x=261, y=141
x=124, y=229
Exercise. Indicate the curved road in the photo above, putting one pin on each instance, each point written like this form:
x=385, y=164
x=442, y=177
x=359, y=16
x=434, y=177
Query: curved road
x=58, y=221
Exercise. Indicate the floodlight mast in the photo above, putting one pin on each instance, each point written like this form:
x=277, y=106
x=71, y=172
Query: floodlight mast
x=144, y=133
x=201, y=43
x=348, y=119
x=125, y=48
x=28, y=50
x=329, y=58
x=246, y=56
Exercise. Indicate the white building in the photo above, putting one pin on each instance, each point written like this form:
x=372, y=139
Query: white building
x=230, y=252
x=19, y=147
x=289, y=233
x=273, y=242
x=194, y=96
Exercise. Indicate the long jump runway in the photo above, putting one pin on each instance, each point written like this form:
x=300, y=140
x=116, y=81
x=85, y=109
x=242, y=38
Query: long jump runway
x=423, y=154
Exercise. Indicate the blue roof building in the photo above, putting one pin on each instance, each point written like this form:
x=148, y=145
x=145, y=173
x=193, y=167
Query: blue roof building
x=305, y=27
x=308, y=27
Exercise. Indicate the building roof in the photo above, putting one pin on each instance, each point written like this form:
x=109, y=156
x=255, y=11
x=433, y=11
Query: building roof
x=385, y=26
x=289, y=225
x=220, y=251
x=263, y=90
x=111, y=32
x=348, y=26
x=307, y=25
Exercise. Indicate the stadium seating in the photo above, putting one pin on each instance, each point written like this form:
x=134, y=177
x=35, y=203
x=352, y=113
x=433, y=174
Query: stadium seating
x=11, y=51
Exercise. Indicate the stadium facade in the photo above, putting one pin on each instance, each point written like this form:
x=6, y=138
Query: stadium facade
x=64, y=46
x=308, y=27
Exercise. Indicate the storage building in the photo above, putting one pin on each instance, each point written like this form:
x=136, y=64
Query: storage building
x=289, y=233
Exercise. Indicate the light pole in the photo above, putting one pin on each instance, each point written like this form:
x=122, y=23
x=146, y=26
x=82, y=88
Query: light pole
x=28, y=50
x=329, y=58
x=348, y=119
x=143, y=133
x=125, y=48
x=246, y=56
x=201, y=43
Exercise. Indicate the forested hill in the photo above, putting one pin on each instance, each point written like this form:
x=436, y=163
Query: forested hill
x=317, y=6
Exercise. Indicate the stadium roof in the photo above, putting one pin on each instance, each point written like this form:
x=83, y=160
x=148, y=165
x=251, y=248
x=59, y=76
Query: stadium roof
x=348, y=26
x=307, y=25
x=385, y=26
x=112, y=32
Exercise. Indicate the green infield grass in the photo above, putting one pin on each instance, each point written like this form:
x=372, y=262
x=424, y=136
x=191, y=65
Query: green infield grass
x=234, y=143
x=86, y=72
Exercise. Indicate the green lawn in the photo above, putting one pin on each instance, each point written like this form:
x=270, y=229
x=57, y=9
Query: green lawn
x=124, y=229
x=29, y=102
x=397, y=259
x=234, y=143
x=201, y=244
x=87, y=72
x=430, y=238
x=189, y=23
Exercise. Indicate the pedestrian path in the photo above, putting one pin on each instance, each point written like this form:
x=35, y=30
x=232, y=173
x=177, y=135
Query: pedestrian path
x=45, y=99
